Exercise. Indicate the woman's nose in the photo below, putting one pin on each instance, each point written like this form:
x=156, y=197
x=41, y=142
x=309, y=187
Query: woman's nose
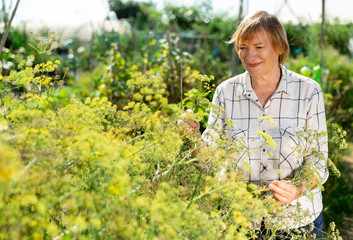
x=251, y=53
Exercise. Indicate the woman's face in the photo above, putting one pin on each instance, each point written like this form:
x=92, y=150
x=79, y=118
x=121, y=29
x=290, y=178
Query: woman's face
x=258, y=56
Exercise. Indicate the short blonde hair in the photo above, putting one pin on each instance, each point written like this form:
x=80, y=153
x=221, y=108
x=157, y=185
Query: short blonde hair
x=270, y=23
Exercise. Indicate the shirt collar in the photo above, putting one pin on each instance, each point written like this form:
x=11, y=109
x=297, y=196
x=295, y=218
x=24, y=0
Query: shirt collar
x=284, y=85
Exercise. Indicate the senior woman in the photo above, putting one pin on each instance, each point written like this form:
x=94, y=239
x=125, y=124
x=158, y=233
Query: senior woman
x=294, y=102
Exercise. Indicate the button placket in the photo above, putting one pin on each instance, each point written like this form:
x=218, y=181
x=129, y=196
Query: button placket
x=253, y=97
x=263, y=167
x=263, y=153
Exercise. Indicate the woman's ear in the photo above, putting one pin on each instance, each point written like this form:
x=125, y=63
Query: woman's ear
x=280, y=59
x=280, y=56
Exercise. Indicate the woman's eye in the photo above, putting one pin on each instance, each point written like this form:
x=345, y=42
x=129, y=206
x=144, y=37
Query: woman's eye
x=259, y=47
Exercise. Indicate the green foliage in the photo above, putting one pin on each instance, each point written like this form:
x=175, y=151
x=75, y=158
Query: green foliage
x=337, y=192
x=298, y=39
x=16, y=38
x=95, y=152
x=184, y=18
x=198, y=100
x=86, y=169
x=83, y=169
x=142, y=15
x=338, y=35
x=305, y=39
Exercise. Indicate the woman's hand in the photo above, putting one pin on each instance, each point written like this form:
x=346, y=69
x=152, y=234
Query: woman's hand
x=284, y=192
x=187, y=118
x=191, y=131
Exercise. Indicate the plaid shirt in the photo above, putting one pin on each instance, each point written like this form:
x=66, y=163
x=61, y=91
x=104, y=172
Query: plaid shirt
x=297, y=103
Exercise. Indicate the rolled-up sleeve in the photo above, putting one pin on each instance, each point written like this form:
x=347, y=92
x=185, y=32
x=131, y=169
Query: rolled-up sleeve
x=216, y=120
x=316, y=120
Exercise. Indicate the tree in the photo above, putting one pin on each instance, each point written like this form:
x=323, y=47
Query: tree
x=142, y=15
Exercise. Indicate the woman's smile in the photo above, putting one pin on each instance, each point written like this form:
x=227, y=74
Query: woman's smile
x=254, y=65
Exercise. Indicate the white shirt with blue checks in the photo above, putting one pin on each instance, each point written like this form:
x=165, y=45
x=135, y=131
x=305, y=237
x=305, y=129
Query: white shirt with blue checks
x=296, y=104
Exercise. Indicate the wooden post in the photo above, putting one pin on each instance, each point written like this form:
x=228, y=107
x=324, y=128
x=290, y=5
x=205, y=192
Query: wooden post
x=172, y=67
x=6, y=33
x=322, y=32
x=240, y=15
x=5, y=14
x=234, y=60
x=181, y=84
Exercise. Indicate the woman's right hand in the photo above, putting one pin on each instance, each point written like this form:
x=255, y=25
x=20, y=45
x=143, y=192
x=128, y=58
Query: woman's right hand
x=191, y=129
x=187, y=118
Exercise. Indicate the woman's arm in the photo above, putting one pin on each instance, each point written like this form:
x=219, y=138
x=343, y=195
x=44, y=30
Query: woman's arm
x=316, y=173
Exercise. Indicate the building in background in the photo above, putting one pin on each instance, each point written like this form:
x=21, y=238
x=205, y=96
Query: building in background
x=68, y=18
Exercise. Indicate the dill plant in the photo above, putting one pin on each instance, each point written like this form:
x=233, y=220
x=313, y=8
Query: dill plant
x=87, y=168
x=83, y=168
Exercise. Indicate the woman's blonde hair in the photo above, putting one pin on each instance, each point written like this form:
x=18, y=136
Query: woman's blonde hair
x=270, y=23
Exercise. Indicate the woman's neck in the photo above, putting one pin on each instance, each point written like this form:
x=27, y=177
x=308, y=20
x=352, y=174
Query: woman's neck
x=268, y=80
x=265, y=87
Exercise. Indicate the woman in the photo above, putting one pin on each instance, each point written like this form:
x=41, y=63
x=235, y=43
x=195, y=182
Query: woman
x=294, y=102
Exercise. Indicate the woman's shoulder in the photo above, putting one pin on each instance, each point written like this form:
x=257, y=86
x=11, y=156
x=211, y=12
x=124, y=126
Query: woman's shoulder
x=296, y=77
x=235, y=82
x=298, y=80
x=234, y=86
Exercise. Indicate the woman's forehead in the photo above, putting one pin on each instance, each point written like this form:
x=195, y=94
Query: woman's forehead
x=256, y=35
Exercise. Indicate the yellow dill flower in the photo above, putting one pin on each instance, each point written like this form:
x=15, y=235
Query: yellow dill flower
x=229, y=122
x=268, y=139
x=196, y=72
x=148, y=98
x=267, y=119
x=138, y=97
x=187, y=71
x=145, y=60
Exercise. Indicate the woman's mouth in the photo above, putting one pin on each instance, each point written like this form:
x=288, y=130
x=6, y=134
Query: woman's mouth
x=253, y=65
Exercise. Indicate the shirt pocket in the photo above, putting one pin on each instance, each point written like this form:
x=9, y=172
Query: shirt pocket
x=291, y=157
x=239, y=136
x=291, y=136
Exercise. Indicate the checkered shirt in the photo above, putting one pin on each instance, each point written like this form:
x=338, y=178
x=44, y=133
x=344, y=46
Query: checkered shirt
x=296, y=104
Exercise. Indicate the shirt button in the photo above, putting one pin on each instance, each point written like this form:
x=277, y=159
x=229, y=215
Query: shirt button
x=264, y=150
